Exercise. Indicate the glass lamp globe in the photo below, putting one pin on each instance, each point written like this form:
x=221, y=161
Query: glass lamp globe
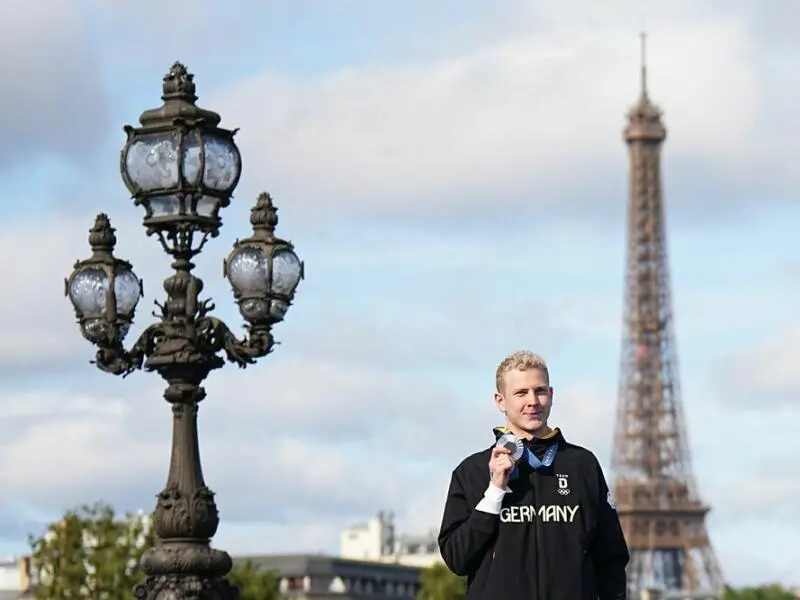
x=180, y=164
x=151, y=162
x=192, y=187
x=103, y=315
x=264, y=281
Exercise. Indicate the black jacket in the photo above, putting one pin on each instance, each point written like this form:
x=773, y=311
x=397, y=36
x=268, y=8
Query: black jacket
x=557, y=537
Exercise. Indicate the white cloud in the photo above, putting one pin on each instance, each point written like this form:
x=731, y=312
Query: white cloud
x=49, y=104
x=764, y=373
x=744, y=462
x=502, y=123
x=39, y=324
x=37, y=320
x=312, y=533
x=751, y=563
x=34, y=325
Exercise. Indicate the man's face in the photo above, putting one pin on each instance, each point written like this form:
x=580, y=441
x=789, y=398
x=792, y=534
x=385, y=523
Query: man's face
x=526, y=397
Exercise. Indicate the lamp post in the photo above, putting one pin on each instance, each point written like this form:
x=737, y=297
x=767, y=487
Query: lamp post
x=182, y=168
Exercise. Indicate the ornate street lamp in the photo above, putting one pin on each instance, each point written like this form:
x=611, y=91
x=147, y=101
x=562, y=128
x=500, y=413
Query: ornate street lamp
x=182, y=168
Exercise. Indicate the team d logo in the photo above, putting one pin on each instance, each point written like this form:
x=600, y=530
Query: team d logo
x=563, y=485
x=610, y=500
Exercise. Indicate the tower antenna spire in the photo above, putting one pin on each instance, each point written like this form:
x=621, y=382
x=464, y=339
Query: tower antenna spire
x=643, y=67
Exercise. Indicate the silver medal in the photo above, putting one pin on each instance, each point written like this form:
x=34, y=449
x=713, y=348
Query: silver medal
x=513, y=444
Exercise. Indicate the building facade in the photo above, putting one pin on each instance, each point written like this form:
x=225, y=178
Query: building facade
x=377, y=541
x=319, y=577
x=15, y=578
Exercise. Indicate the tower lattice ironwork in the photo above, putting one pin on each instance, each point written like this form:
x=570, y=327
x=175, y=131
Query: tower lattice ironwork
x=657, y=501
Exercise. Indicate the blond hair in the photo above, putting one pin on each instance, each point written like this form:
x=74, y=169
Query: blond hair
x=522, y=360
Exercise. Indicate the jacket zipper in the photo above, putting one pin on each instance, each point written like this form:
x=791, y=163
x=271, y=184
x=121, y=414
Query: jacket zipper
x=533, y=481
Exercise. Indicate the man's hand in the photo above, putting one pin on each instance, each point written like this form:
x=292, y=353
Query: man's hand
x=500, y=466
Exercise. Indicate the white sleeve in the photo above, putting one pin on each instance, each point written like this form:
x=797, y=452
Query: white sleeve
x=492, y=499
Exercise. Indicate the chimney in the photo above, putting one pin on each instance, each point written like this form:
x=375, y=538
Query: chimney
x=25, y=573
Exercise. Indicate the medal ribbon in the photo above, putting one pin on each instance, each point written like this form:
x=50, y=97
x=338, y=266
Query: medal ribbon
x=534, y=462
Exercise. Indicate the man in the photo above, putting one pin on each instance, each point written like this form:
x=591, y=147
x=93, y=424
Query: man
x=544, y=527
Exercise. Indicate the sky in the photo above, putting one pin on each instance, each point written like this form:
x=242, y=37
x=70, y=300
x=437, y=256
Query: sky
x=454, y=177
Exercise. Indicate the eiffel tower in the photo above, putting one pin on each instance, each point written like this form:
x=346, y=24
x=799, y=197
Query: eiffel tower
x=657, y=500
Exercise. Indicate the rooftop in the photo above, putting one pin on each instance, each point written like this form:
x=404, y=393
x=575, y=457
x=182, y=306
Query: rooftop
x=291, y=565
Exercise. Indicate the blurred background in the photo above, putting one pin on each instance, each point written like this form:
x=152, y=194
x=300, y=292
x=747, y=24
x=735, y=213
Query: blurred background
x=453, y=175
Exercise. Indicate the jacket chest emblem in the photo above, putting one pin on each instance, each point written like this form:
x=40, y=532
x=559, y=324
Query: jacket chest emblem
x=563, y=484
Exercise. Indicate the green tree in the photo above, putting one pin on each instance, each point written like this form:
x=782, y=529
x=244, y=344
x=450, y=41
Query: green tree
x=254, y=583
x=91, y=553
x=764, y=592
x=439, y=583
